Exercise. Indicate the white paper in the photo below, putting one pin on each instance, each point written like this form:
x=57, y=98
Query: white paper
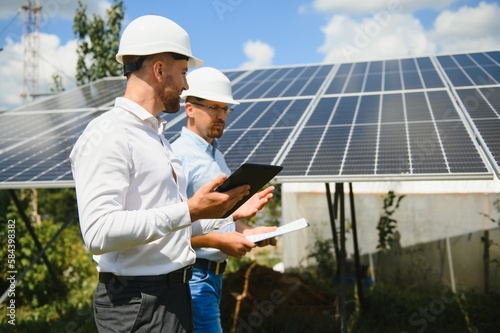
x=289, y=227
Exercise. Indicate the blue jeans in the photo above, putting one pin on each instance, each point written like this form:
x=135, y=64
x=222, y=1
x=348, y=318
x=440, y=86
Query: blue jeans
x=206, y=289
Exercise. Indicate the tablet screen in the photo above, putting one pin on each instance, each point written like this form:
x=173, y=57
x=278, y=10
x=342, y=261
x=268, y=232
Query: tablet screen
x=255, y=175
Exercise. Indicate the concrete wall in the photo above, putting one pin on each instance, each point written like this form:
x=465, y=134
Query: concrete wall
x=429, y=263
x=429, y=214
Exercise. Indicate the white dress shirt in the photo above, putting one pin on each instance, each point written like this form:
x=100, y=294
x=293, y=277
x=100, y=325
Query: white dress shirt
x=133, y=209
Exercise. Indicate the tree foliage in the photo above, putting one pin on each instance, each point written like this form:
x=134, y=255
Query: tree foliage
x=57, y=83
x=271, y=213
x=98, y=42
x=67, y=255
x=387, y=225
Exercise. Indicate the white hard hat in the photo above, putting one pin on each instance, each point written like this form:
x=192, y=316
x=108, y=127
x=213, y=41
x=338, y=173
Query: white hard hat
x=151, y=34
x=210, y=84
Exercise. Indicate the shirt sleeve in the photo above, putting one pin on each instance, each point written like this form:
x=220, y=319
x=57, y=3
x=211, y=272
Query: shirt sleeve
x=101, y=170
x=204, y=226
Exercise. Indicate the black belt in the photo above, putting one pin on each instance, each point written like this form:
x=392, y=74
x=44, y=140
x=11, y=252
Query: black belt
x=212, y=266
x=182, y=275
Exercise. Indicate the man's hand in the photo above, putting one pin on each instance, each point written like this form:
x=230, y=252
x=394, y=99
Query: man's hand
x=232, y=243
x=235, y=244
x=254, y=204
x=208, y=204
x=261, y=230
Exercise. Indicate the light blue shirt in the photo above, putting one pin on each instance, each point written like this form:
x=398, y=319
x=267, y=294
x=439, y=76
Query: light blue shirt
x=202, y=162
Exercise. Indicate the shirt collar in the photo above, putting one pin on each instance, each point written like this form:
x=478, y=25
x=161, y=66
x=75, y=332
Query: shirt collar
x=200, y=142
x=159, y=124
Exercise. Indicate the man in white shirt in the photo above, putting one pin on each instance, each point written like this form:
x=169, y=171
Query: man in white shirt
x=134, y=213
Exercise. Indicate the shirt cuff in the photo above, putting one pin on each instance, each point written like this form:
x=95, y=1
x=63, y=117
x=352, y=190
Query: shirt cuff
x=201, y=227
x=175, y=217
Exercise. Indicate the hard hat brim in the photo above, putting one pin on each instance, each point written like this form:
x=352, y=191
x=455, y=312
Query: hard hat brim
x=209, y=97
x=194, y=62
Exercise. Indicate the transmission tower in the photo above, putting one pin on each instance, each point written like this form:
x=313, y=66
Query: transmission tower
x=31, y=41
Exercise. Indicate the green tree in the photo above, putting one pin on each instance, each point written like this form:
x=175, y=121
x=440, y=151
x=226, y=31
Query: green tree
x=271, y=213
x=387, y=226
x=59, y=231
x=57, y=83
x=98, y=42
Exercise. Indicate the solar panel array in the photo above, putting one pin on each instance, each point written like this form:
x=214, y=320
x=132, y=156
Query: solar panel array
x=402, y=119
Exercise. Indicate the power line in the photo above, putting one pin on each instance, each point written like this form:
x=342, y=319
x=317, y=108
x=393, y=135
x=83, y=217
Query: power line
x=10, y=22
x=60, y=70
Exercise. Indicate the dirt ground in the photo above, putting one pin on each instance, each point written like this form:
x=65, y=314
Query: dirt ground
x=258, y=299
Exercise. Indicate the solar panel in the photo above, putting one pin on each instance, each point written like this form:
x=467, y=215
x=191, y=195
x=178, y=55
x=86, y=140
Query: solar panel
x=415, y=144
x=483, y=109
x=39, y=152
x=96, y=94
x=398, y=119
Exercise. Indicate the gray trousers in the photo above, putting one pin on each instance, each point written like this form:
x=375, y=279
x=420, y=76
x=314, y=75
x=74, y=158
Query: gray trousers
x=142, y=304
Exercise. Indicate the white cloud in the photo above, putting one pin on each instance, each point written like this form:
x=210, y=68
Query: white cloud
x=468, y=29
x=11, y=70
x=389, y=34
x=365, y=7
x=381, y=36
x=54, y=58
x=259, y=54
x=57, y=58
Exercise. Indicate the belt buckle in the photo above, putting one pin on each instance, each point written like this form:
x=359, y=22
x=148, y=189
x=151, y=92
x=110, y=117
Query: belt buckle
x=217, y=267
x=184, y=274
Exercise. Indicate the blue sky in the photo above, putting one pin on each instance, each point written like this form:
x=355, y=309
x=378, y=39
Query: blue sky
x=230, y=34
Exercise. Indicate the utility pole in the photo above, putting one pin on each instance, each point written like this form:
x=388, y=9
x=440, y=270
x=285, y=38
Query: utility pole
x=31, y=42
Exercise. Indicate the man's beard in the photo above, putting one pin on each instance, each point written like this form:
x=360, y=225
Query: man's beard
x=170, y=98
x=215, y=133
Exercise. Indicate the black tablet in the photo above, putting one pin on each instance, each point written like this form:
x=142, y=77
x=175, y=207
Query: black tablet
x=255, y=175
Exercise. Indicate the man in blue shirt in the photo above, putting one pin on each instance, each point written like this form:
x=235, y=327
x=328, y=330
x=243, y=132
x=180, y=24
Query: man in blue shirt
x=207, y=101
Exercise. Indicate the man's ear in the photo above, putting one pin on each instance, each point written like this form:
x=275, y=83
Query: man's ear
x=189, y=109
x=158, y=70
